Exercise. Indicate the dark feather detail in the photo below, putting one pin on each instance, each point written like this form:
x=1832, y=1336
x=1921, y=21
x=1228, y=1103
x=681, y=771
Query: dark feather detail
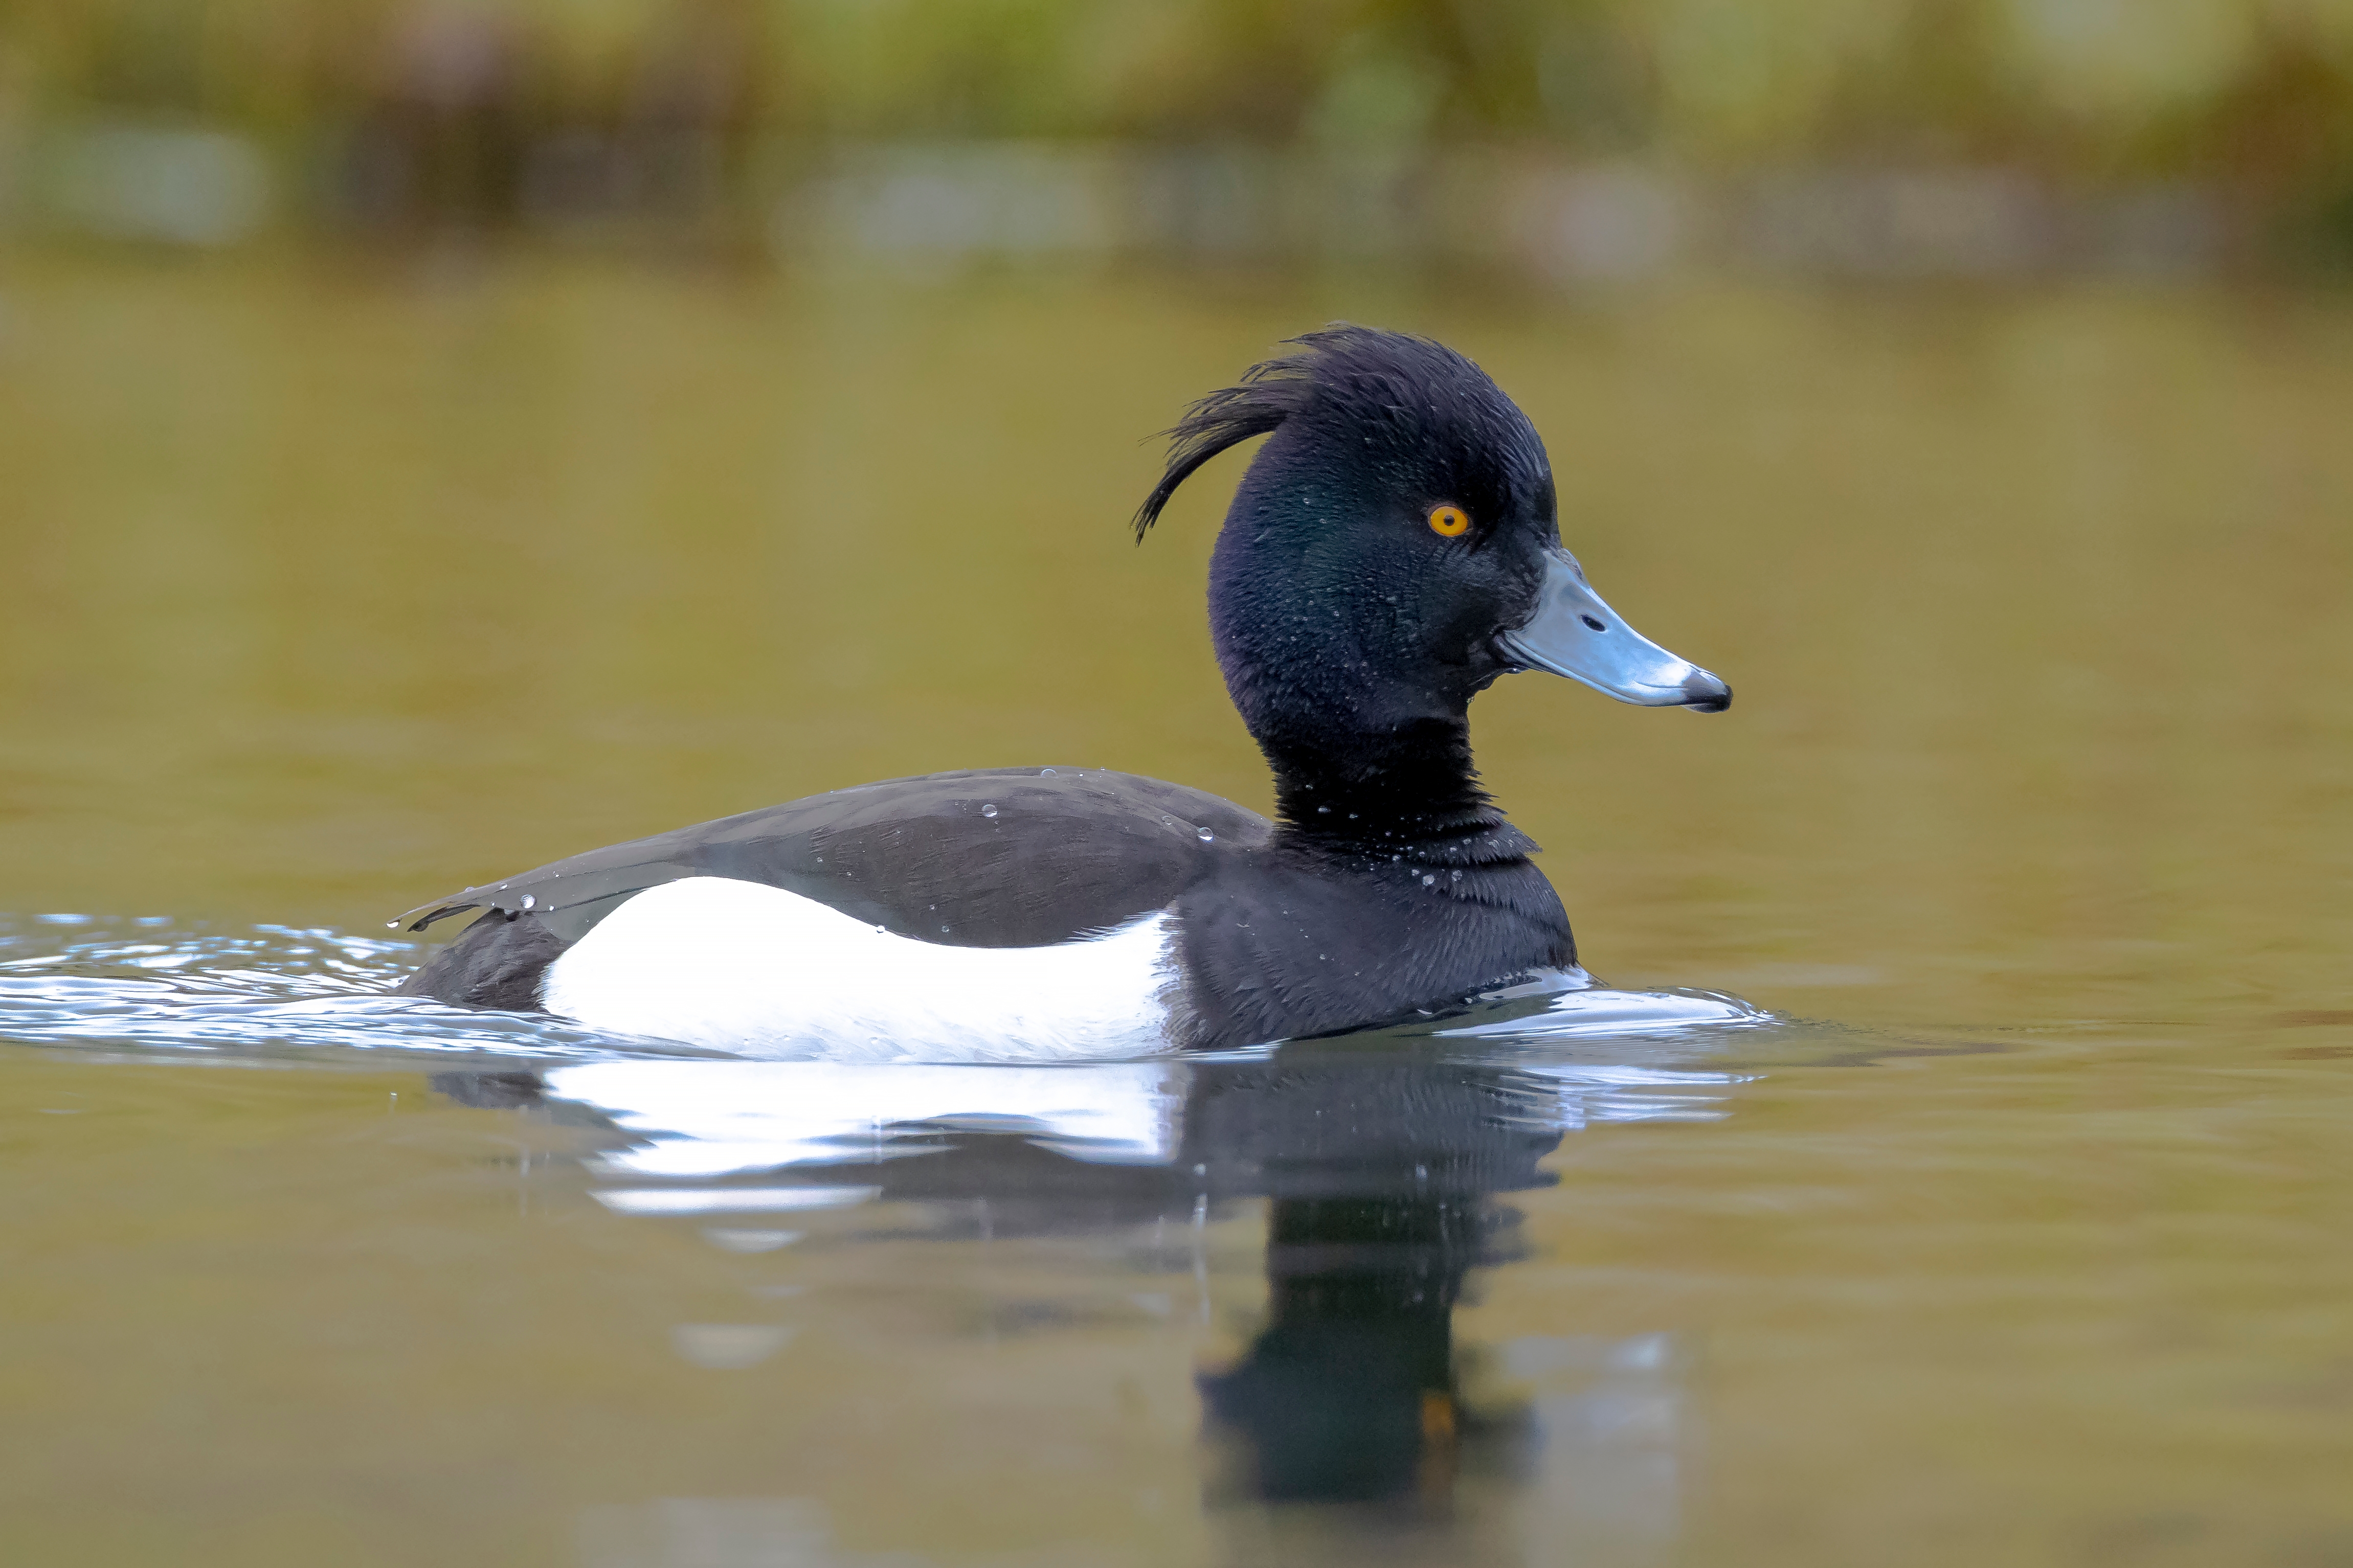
x=994, y=858
x=1269, y=392
x=1223, y=419
x=496, y=962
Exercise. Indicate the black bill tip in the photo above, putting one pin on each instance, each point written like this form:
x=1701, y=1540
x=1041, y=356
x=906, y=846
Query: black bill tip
x=1704, y=693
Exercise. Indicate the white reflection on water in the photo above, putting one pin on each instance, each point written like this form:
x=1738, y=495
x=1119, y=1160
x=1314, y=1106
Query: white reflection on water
x=1625, y=1092
x=704, y=1119
x=729, y=1200
x=708, y=1119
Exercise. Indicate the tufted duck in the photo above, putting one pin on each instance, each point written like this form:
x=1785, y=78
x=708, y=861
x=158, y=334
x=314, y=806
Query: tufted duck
x=1392, y=550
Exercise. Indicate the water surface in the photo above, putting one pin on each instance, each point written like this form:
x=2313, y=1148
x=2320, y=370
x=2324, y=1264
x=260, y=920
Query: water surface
x=2015, y=1237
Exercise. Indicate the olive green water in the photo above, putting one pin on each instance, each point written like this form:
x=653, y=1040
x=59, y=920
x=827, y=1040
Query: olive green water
x=328, y=590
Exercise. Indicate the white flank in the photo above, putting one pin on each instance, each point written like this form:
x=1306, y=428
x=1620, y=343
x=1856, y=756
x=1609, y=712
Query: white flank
x=742, y=967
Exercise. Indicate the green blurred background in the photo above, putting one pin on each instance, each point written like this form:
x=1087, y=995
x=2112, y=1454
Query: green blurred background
x=1576, y=137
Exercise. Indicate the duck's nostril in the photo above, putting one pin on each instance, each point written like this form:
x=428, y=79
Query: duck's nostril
x=1589, y=621
x=1704, y=693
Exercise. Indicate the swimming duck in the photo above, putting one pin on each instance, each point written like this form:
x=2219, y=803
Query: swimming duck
x=1392, y=550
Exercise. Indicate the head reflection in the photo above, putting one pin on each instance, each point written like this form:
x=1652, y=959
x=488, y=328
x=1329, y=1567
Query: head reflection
x=1381, y=1175
x=1349, y=1393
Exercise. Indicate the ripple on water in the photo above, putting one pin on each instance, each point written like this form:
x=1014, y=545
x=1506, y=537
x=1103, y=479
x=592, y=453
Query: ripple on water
x=153, y=983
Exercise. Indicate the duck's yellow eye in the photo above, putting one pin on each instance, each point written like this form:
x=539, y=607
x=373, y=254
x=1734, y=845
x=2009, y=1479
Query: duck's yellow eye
x=1449, y=520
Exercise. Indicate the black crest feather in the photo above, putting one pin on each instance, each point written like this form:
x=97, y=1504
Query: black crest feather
x=1284, y=387
x=1268, y=394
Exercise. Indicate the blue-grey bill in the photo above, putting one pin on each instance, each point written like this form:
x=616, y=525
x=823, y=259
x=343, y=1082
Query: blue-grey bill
x=1574, y=632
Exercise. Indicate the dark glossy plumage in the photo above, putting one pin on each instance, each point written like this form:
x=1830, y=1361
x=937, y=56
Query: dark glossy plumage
x=985, y=858
x=1287, y=934
x=981, y=858
x=1352, y=636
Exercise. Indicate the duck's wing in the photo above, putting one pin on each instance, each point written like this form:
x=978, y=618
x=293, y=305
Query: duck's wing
x=992, y=858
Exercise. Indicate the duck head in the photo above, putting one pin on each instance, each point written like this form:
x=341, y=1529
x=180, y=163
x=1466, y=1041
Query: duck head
x=1394, y=548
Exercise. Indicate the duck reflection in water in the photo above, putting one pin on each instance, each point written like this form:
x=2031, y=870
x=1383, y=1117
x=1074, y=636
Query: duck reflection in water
x=1381, y=1162
x=1349, y=1393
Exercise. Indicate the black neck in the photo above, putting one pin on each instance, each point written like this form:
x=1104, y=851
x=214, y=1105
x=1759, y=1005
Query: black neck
x=1406, y=788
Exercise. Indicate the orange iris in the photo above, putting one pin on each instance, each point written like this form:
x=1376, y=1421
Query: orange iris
x=1451, y=522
